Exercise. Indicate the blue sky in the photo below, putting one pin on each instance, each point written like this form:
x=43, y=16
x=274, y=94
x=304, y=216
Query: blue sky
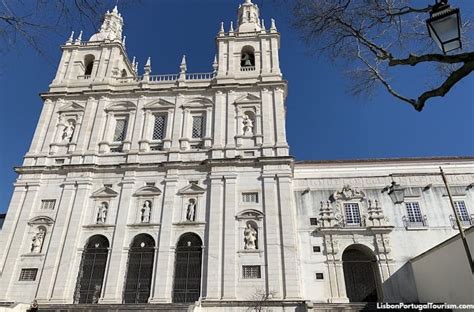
x=324, y=122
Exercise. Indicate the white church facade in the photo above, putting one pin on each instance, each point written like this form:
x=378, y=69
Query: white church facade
x=161, y=189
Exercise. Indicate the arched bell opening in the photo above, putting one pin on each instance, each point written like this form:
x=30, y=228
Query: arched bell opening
x=92, y=270
x=187, y=272
x=247, y=58
x=361, y=274
x=139, y=269
x=88, y=64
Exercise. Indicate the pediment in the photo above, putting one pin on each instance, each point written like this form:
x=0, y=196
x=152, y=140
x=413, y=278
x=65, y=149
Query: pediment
x=148, y=191
x=121, y=106
x=348, y=193
x=191, y=189
x=71, y=107
x=249, y=214
x=104, y=192
x=160, y=103
x=198, y=102
x=248, y=98
x=41, y=220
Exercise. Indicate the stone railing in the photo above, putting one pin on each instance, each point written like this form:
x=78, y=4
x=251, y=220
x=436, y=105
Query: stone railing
x=199, y=76
x=247, y=68
x=84, y=77
x=162, y=78
x=419, y=223
x=466, y=221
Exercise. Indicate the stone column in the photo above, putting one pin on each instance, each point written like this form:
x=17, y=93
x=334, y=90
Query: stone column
x=48, y=275
x=117, y=261
x=229, y=249
x=212, y=261
x=161, y=291
x=274, y=53
x=177, y=126
x=44, y=120
x=98, y=126
x=64, y=277
x=50, y=132
x=219, y=124
x=273, y=253
x=16, y=244
x=281, y=144
x=231, y=127
x=267, y=123
x=289, y=245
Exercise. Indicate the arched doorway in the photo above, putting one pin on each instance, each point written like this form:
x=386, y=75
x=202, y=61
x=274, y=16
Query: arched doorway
x=360, y=274
x=187, y=271
x=139, y=269
x=92, y=270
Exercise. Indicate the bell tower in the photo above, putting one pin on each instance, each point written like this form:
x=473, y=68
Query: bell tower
x=250, y=51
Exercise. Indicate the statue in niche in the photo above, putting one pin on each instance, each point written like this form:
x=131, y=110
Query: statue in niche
x=191, y=210
x=37, y=242
x=146, y=211
x=68, y=131
x=247, y=125
x=102, y=213
x=250, y=237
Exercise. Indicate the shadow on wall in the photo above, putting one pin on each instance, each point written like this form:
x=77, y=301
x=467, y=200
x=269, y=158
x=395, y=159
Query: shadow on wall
x=401, y=286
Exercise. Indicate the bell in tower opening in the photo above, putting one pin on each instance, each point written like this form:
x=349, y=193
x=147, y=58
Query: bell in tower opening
x=247, y=57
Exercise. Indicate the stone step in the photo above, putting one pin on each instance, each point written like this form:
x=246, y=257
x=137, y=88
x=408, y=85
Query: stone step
x=170, y=307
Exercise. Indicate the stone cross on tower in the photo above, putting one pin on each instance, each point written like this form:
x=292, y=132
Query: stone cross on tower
x=111, y=28
x=249, y=19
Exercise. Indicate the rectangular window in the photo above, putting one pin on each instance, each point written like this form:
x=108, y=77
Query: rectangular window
x=414, y=212
x=352, y=214
x=159, y=128
x=120, y=129
x=48, y=204
x=316, y=248
x=251, y=271
x=250, y=198
x=462, y=210
x=319, y=276
x=198, y=126
x=28, y=274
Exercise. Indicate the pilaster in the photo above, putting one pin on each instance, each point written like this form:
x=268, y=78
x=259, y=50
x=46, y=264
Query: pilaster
x=229, y=248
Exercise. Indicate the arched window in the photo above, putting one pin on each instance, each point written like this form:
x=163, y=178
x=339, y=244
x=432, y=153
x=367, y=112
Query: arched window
x=360, y=274
x=139, y=270
x=187, y=272
x=88, y=64
x=92, y=270
x=124, y=73
x=247, y=58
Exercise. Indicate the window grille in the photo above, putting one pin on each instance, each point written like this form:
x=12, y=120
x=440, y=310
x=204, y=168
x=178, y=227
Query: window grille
x=251, y=271
x=28, y=274
x=461, y=210
x=313, y=221
x=198, y=127
x=48, y=204
x=159, y=128
x=352, y=214
x=250, y=197
x=414, y=212
x=120, y=129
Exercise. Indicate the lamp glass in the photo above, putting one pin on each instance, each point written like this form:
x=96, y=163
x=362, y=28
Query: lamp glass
x=444, y=29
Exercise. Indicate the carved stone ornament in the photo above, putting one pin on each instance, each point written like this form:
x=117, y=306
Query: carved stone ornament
x=347, y=193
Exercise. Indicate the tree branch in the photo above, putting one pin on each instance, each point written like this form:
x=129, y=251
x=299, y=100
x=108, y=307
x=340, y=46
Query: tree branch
x=413, y=59
x=455, y=76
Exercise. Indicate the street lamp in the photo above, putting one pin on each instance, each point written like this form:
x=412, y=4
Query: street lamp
x=396, y=193
x=444, y=26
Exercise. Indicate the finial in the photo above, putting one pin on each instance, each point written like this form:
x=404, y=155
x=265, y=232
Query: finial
x=263, y=24
x=221, y=30
x=133, y=61
x=273, y=26
x=183, y=66
x=115, y=10
x=147, y=68
x=248, y=1
x=148, y=62
x=231, y=26
x=214, y=64
x=79, y=39
x=71, y=37
x=136, y=67
x=123, y=40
